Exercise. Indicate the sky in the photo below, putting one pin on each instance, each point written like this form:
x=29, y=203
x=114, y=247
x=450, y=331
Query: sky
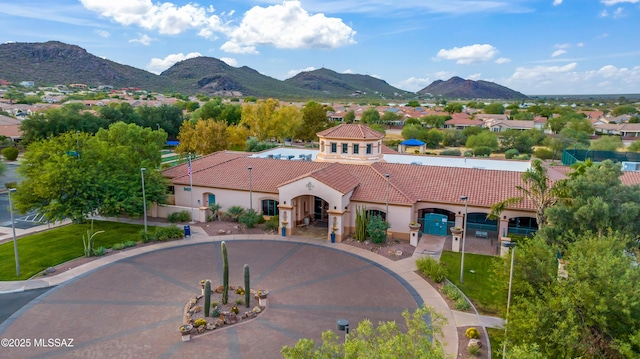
x=537, y=47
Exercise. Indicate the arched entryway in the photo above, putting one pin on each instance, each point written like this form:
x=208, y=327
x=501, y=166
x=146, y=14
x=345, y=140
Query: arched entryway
x=435, y=221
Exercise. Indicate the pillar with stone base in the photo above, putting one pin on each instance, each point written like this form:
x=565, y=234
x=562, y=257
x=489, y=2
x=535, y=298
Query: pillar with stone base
x=504, y=245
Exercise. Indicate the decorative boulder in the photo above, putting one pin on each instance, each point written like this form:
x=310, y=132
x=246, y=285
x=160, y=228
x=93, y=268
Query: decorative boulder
x=474, y=343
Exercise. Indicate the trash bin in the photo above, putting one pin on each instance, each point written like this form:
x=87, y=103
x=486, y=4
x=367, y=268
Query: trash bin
x=187, y=231
x=284, y=231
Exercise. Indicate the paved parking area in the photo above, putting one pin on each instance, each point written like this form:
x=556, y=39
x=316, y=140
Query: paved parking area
x=133, y=307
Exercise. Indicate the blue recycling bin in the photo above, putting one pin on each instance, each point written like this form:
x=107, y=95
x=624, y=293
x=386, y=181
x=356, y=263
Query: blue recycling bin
x=284, y=231
x=187, y=231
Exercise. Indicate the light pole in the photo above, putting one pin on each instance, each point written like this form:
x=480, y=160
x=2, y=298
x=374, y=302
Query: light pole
x=464, y=234
x=386, y=213
x=250, y=189
x=343, y=326
x=13, y=229
x=511, y=246
x=144, y=200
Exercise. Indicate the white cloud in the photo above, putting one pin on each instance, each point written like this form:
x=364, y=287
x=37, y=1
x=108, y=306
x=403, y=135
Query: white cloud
x=502, y=60
x=288, y=26
x=469, y=54
x=165, y=17
x=230, y=61
x=614, y=2
x=235, y=48
x=294, y=72
x=413, y=84
x=376, y=76
x=618, y=13
x=144, y=39
x=474, y=76
x=565, y=79
x=102, y=33
x=562, y=46
x=157, y=65
x=580, y=44
x=347, y=71
x=558, y=53
x=557, y=2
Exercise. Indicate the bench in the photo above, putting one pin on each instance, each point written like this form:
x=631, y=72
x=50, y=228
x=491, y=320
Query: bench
x=482, y=234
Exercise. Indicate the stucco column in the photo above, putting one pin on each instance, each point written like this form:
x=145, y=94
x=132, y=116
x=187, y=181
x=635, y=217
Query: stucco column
x=503, y=227
x=286, y=222
x=336, y=224
x=459, y=219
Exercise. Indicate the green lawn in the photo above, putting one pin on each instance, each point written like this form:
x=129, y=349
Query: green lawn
x=46, y=249
x=478, y=286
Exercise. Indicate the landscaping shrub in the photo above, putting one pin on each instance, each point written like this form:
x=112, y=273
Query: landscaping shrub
x=468, y=153
x=100, y=251
x=10, y=153
x=462, y=304
x=377, y=229
x=199, y=322
x=451, y=292
x=128, y=244
x=450, y=153
x=146, y=237
x=482, y=151
x=524, y=156
x=168, y=232
x=234, y=212
x=431, y=268
x=272, y=224
x=472, y=333
x=250, y=218
x=473, y=350
x=182, y=216
x=509, y=154
x=117, y=246
x=543, y=153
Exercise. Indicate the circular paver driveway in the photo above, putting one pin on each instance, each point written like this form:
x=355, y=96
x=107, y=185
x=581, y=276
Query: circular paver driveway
x=134, y=307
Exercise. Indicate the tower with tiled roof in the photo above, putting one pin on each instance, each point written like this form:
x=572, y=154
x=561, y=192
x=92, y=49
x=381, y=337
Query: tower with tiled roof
x=350, y=143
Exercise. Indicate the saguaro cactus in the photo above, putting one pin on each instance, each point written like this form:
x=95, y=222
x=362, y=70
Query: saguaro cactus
x=225, y=274
x=207, y=298
x=247, y=295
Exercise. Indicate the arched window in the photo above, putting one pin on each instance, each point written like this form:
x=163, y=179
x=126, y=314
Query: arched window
x=270, y=207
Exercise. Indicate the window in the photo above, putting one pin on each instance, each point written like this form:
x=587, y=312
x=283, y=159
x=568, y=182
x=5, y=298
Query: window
x=369, y=148
x=334, y=147
x=345, y=148
x=270, y=207
x=356, y=148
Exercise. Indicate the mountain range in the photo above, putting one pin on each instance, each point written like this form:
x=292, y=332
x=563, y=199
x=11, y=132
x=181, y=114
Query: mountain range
x=54, y=62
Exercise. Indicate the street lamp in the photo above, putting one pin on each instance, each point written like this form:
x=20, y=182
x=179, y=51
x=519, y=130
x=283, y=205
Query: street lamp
x=386, y=213
x=511, y=246
x=464, y=234
x=144, y=200
x=250, y=189
x=13, y=228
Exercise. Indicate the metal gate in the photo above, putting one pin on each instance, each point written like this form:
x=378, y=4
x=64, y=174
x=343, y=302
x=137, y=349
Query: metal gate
x=435, y=224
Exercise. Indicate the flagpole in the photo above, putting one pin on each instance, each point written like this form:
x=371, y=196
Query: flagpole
x=191, y=189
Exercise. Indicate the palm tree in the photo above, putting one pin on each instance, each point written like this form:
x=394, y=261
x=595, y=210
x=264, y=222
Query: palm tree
x=539, y=190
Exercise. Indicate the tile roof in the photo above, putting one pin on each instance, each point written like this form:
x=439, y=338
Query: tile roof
x=351, y=131
x=203, y=163
x=232, y=173
x=336, y=176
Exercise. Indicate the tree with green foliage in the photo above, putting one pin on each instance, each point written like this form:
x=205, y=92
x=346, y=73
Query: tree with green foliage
x=435, y=121
x=483, y=139
x=217, y=110
x=606, y=143
x=431, y=138
x=387, y=340
x=472, y=130
x=595, y=201
x=593, y=313
x=411, y=131
x=389, y=118
x=413, y=103
x=314, y=120
x=453, y=107
x=370, y=115
x=74, y=175
x=378, y=127
x=203, y=137
x=349, y=117
x=56, y=121
x=494, y=108
x=13, y=95
x=453, y=138
x=167, y=117
x=635, y=146
x=624, y=110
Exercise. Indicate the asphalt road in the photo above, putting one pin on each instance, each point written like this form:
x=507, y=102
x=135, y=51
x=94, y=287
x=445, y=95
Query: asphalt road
x=12, y=302
x=22, y=222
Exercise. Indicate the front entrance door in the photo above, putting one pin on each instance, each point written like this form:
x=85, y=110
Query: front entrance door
x=435, y=224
